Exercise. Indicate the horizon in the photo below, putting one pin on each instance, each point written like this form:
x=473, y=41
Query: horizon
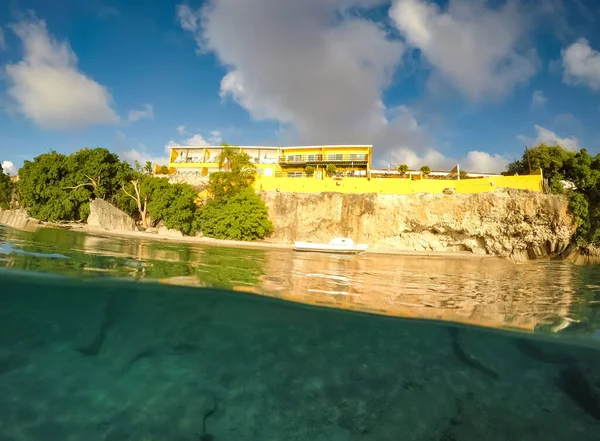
x=425, y=83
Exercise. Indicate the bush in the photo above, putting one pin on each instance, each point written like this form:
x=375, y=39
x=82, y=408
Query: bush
x=425, y=170
x=240, y=216
x=309, y=170
x=174, y=204
x=331, y=169
x=163, y=170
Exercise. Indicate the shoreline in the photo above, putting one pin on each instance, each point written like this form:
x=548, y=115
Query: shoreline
x=255, y=244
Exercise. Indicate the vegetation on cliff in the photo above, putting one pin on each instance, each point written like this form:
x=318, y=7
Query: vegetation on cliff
x=575, y=174
x=6, y=187
x=56, y=187
x=234, y=210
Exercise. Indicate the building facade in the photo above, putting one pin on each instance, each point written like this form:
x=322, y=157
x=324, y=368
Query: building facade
x=290, y=162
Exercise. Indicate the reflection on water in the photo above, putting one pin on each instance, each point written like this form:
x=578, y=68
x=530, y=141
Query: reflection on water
x=483, y=291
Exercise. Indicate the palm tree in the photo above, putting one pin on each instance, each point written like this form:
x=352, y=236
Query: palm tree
x=227, y=156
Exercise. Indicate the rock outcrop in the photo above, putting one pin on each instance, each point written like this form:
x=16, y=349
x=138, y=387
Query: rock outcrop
x=511, y=223
x=107, y=216
x=18, y=219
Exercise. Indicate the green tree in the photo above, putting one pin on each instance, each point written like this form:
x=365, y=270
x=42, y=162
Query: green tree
x=175, y=205
x=164, y=170
x=6, y=187
x=425, y=170
x=403, y=169
x=463, y=175
x=579, y=168
x=241, y=215
x=148, y=167
x=309, y=170
x=331, y=169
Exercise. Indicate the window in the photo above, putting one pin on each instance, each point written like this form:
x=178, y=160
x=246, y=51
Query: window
x=312, y=158
x=335, y=157
x=294, y=158
x=357, y=157
x=295, y=174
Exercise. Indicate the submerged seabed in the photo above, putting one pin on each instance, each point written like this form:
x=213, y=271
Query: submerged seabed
x=110, y=360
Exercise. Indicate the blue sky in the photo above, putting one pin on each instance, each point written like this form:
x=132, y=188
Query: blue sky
x=424, y=82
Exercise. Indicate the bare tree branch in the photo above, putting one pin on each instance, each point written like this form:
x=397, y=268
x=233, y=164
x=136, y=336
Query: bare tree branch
x=80, y=185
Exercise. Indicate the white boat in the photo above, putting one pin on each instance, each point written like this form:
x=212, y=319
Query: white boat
x=337, y=245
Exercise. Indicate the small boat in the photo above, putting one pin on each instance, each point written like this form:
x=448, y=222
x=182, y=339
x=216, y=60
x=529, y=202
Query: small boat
x=337, y=245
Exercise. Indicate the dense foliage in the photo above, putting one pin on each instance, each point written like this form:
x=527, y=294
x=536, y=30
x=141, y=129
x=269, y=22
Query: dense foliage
x=234, y=210
x=425, y=170
x=241, y=216
x=57, y=187
x=576, y=174
x=5, y=189
x=403, y=169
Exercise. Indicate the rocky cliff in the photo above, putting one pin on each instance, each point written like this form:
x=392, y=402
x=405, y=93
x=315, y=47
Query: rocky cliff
x=511, y=223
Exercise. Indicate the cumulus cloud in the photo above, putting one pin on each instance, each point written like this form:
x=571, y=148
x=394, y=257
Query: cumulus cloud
x=538, y=99
x=549, y=137
x=320, y=71
x=477, y=49
x=317, y=70
x=9, y=168
x=581, y=64
x=181, y=130
x=47, y=86
x=147, y=112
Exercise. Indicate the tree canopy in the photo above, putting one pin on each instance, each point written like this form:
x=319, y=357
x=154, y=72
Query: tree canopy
x=5, y=189
x=562, y=166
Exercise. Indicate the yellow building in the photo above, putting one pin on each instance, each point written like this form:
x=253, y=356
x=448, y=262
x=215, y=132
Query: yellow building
x=354, y=173
x=349, y=160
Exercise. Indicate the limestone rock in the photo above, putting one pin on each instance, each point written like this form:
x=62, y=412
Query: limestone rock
x=18, y=219
x=107, y=216
x=518, y=224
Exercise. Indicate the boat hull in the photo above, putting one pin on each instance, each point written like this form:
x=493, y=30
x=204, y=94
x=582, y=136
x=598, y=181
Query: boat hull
x=324, y=248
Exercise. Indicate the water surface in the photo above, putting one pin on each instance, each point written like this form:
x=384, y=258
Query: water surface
x=87, y=352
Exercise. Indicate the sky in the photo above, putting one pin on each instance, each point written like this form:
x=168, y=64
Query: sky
x=425, y=82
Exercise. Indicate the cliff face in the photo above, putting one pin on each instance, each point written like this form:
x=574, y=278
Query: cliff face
x=510, y=223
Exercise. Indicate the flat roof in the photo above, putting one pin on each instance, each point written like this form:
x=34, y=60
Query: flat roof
x=264, y=147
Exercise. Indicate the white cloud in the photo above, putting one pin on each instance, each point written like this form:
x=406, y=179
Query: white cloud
x=142, y=155
x=9, y=168
x=549, y=137
x=474, y=161
x=477, y=49
x=146, y=112
x=581, y=64
x=317, y=70
x=181, y=130
x=47, y=86
x=538, y=99
x=215, y=138
x=2, y=40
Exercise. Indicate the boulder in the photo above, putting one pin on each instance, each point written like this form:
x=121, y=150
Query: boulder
x=166, y=232
x=107, y=216
x=18, y=219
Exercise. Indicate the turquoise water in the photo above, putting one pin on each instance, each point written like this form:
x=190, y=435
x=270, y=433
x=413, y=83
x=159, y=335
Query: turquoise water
x=93, y=348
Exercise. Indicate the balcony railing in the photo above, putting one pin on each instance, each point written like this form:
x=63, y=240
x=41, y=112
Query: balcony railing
x=327, y=158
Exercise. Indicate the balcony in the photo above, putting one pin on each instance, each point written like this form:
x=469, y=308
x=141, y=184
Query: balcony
x=328, y=158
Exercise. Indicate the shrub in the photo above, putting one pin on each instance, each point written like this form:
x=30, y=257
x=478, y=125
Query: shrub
x=5, y=189
x=403, y=169
x=309, y=170
x=240, y=216
x=425, y=170
x=331, y=169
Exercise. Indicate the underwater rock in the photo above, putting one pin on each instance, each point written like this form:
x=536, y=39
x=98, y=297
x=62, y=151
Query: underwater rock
x=583, y=386
x=467, y=358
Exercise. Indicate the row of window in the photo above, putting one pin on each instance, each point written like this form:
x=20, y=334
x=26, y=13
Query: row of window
x=330, y=157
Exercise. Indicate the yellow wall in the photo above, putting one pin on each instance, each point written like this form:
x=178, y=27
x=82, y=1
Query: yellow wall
x=398, y=186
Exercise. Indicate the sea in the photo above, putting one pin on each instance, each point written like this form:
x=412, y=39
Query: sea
x=113, y=338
